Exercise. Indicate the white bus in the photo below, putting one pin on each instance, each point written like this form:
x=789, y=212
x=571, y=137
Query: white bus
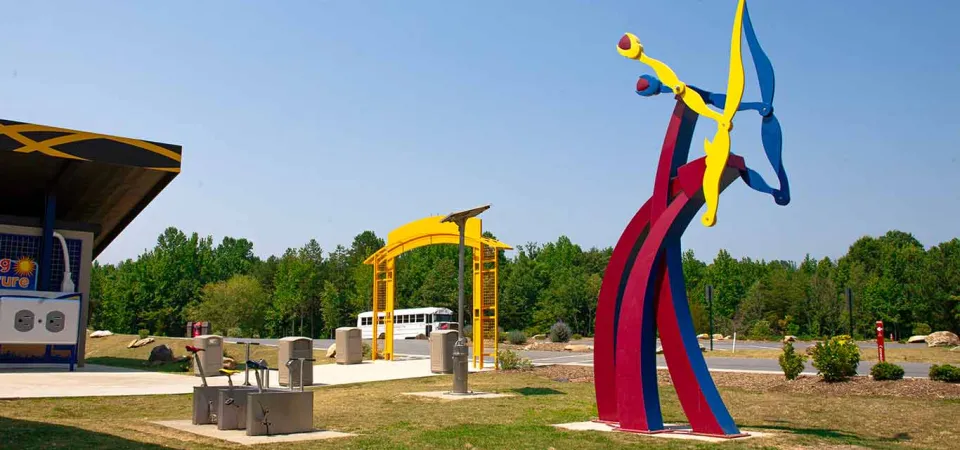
x=408, y=323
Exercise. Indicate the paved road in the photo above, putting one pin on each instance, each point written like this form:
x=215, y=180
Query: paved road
x=421, y=349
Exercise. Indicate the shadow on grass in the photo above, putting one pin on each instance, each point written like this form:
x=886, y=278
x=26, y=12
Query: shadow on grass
x=139, y=364
x=527, y=391
x=29, y=434
x=838, y=436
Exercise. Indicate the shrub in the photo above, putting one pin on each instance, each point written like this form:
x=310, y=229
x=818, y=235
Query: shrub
x=367, y=350
x=511, y=360
x=517, y=337
x=560, y=332
x=886, y=371
x=760, y=330
x=234, y=332
x=945, y=372
x=922, y=328
x=144, y=333
x=501, y=335
x=468, y=331
x=791, y=362
x=836, y=359
x=577, y=336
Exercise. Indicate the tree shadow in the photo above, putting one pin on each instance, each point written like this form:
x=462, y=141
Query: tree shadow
x=527, y=391
x=127, y=364
x=837, y=435
x=25, y=434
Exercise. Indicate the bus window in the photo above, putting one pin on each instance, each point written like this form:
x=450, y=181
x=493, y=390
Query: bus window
x=380, y=320
x=419, y=318
x=444, y=317
x=429, y=318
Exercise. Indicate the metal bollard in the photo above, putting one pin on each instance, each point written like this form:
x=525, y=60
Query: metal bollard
x=246, y=370
x=266, y=373
x=460, y=356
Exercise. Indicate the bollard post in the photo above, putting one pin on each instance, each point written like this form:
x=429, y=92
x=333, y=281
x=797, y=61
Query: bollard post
x=880, y=352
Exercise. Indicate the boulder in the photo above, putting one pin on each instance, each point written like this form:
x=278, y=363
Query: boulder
x=161, y=354
x=942, y=339
x=703, y=336
x=539, y=337
x=920, y=338
x=789, y=339
x=332, y=350
x=421, y=337
x=229, y=363
x=140, y=342
x=101, y=333
x=718, y=337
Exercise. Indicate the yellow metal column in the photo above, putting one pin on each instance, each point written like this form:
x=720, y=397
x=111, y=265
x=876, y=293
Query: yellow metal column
x=494, y=275
x=486, y=329
x=379, y=303
x=388, y=316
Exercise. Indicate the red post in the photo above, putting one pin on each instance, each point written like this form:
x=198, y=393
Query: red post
x=880, y=353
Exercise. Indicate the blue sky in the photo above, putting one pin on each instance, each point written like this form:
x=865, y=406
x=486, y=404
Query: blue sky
x=320, y=119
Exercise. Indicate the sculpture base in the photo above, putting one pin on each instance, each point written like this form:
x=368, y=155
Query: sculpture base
x=671, y=431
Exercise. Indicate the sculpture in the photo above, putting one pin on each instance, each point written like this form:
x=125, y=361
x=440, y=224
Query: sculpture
x=643, y=289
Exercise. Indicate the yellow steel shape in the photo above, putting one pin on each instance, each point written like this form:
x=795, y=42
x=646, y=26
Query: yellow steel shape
x=668, y=78
x=717, y=150
x=430, y=231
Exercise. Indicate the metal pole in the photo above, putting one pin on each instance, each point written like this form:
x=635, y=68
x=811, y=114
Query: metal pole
x=460, y=348
x=710, y=303
x=850, y=310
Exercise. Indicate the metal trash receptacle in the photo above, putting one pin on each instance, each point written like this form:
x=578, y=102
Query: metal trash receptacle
x=441, y=350
x=211, y=358
x=349, y=346
x=293, y=347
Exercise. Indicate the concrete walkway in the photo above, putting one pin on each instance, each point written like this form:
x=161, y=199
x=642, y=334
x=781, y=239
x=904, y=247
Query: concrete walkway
x=96, y=381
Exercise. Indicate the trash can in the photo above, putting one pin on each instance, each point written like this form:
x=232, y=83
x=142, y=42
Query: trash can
x=211, y=358
x=349, y=346
x=293, y=347
x=441, y=350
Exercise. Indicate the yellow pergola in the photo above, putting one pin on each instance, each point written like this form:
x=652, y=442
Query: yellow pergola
x=430, y=231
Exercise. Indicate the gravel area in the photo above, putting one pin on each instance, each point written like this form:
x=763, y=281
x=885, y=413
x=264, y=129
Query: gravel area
x=920, y=388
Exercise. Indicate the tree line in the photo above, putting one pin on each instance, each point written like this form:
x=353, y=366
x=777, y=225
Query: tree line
x=307, y=291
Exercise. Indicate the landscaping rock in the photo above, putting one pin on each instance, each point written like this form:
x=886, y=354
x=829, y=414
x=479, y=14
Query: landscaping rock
x=101, y=333
x=421, y=337
x=703, y=336
x=539, y=337
x=229, y=363
x=718, y=337
x=917, y=339
x=332, y=350
x=578, y=348
x=942, y=339
x=161, y=354
x=789, y=339
x=139, y=342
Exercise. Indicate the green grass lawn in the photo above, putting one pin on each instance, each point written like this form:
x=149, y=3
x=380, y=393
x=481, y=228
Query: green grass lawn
x=385, y=419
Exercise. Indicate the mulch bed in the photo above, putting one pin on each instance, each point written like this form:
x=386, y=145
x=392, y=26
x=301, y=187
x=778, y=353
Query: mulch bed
x=919, y=388
x=540, y=346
